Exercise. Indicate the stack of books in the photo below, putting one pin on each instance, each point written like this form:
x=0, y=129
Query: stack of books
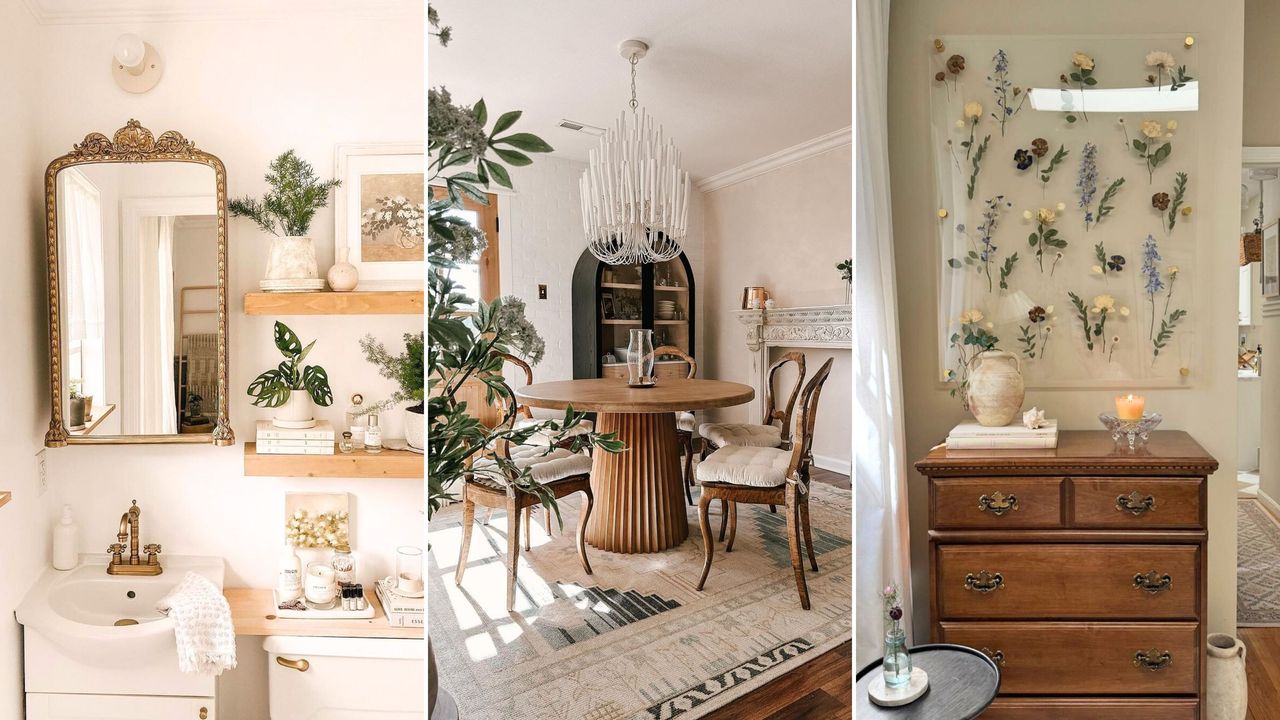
x=401, y=611
x=274, y=440
x=972, y=436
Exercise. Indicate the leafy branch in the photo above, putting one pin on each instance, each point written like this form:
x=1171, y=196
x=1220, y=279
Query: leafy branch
x=1179, y=193
x=977, y=160
x=1104, y=204
x=1054, y=162
x=296, y=194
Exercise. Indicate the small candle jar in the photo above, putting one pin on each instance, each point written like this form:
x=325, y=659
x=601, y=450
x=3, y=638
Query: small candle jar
x=409, y=569
x=320, y=585
x=1129, y=407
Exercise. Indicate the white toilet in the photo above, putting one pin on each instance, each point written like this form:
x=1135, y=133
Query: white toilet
x=320, y=678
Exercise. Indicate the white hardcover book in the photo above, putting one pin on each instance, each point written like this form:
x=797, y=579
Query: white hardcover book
x=290, y=442
x=323, y=430
x=269, y=450
x=973, y=429
x=1001, y=443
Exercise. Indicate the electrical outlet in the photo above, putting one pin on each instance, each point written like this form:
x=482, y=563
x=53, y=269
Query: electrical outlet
x=542, y=292
x=43, y=475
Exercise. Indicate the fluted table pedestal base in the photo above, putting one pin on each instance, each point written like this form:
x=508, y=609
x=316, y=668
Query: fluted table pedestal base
x=639, y=501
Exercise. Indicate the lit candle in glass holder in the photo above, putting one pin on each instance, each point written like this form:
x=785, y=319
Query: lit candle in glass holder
x=1129, y=407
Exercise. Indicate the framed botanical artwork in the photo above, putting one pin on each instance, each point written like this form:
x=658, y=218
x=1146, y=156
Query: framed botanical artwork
x=1271, y=263
x=606, y=306
x=380, y=215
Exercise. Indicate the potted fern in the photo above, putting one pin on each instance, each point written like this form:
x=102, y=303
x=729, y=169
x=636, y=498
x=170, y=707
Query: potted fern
x=291, y=388
x=407, y=370
x=286, y=211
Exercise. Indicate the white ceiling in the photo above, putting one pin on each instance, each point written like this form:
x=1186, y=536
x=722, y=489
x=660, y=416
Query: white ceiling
x=76, y=12
x=730, y=80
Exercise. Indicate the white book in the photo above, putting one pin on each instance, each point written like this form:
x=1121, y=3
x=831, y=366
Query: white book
x=290, y=442
x=322, y=431
x=1001, y=443
x=1016, y=429
x=270, y=450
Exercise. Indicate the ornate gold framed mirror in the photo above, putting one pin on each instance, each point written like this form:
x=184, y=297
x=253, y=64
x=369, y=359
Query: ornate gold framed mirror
x=137, y=241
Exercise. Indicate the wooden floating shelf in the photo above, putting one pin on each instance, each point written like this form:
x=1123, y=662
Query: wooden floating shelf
x=621, y=286
x=620, y=322
x=253, y=613
x=671, y=288
x=395, y=302
x=357, y=464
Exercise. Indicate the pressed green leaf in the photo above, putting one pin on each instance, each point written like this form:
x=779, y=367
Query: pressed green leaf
x=1139, y=145
x=954, y=263
x=1090, y=81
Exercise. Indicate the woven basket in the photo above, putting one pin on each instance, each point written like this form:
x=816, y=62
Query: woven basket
x=1250, y=248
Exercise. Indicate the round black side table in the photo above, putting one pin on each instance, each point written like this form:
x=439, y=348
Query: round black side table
x=962, y=683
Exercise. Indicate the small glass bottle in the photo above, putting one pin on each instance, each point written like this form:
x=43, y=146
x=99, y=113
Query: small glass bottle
x=354, y=422
x=346, y=445
x=344, y=565
x=373, y=436
x=897, y=660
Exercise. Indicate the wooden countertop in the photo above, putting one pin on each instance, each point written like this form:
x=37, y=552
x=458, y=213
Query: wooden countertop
x=1168, y=452
x=253, y=613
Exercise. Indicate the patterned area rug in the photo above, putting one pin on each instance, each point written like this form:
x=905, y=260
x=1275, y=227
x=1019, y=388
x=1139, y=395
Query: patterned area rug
x=634, y=640
x=1257, y=566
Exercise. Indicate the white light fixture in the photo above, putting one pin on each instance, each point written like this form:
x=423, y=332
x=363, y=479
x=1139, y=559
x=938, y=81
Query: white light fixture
x=635, y=196
x=135, y=65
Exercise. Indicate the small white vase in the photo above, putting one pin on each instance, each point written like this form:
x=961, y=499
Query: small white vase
x=414, y=425
x=996, y=390
x=343, y=276
x=1228, y=686
x=292, y=258
x=299, y=411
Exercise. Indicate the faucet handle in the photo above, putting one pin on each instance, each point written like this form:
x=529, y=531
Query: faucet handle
x=116, y=549
x=152, y=550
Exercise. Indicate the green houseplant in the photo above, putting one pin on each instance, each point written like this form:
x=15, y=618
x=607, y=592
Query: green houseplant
x=407, y=370
x=292, y=388
x=296, y=193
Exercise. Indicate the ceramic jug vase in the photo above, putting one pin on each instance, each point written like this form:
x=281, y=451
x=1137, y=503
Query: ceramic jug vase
x=995, y=388
x=1228, y=688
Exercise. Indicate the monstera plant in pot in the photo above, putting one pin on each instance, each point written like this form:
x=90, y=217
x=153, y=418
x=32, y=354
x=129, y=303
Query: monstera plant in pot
x=291, y=388
x=286, y=212
x=407, y=370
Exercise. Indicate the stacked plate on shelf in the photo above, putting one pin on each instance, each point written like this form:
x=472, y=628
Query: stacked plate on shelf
x=665, y=309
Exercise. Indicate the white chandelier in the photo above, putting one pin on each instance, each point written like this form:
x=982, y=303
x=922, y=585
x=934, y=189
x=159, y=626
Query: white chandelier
x=635, y=196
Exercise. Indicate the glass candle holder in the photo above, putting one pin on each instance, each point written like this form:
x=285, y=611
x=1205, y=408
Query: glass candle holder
x=409, y=569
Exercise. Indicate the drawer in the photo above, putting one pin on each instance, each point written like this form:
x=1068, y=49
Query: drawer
x=1140, y=503
x=1092, y=709
x=996, y=503
x=1044, y=658
x=54, y=706
x=1051, y=582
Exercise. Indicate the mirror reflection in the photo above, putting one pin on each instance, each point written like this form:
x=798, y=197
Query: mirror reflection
x=138, y=269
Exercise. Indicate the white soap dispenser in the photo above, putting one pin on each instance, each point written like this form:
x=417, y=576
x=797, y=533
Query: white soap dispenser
x=64, y=542
x=289, y=582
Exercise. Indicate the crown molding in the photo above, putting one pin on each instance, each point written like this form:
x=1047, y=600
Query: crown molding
x=89, y=12
x=782, y=158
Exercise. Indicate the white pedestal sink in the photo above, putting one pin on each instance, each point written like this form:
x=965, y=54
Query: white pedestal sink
x=87, y=632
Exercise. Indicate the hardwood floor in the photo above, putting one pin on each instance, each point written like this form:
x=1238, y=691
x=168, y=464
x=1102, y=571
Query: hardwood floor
x=1262, y=666
x=821, y=688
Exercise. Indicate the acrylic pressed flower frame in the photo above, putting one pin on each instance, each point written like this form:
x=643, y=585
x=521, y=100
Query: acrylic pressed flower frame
x=1036, y=62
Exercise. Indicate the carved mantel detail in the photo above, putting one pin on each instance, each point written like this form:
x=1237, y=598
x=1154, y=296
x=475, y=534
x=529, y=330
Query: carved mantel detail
x=817, y=326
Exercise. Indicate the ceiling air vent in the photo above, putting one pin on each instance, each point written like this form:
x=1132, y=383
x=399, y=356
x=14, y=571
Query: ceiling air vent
x=581, y=127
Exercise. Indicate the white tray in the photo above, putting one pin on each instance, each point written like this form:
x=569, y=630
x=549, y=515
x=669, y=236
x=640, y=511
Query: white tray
x=334, y=613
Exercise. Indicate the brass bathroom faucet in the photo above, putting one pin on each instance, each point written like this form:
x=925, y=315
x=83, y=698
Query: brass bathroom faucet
x=134, y=565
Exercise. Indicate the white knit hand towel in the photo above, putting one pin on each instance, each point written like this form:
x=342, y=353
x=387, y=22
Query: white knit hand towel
x=202, y=626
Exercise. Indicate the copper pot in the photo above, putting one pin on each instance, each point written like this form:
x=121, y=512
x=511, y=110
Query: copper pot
x=757, y=293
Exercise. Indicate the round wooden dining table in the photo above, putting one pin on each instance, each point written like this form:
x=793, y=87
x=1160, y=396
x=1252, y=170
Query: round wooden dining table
x=639, y=499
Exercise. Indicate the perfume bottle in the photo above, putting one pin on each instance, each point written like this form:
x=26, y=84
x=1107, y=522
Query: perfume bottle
x=346, y=445
x=373, y=436
x=355, y=420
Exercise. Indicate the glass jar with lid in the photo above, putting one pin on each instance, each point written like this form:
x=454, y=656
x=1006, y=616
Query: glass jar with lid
x=344, y=565
x=355, y=420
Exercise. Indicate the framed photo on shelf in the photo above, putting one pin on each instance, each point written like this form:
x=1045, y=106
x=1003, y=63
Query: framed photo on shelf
x=606, y=306
x=1271, y=263
x=380, y=214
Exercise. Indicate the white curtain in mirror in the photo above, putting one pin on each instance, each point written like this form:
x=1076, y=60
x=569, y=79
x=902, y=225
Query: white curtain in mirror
x=157, y=407
x=83, y=296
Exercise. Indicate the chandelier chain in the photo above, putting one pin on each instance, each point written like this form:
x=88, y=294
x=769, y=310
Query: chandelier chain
x=634, y=103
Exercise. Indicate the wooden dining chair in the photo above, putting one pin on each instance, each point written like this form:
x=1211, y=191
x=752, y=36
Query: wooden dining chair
x=685, y=420
x=766, y=476
x=559, y=470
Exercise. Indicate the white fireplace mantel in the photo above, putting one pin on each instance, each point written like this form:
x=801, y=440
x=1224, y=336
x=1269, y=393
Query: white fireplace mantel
x=817, y=326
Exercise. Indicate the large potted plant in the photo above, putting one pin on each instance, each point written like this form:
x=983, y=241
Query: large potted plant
x=407, y=370
x=286, y=211
x=291, y=388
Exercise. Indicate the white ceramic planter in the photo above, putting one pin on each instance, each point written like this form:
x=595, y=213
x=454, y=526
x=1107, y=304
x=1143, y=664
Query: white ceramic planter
x=414, y=429
x=292, y=258
x=1228, y=687
x=299, y=411
x=996, y=390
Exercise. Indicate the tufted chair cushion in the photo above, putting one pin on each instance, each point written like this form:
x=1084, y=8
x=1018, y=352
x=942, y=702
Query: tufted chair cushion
x=743, y=465
x=727, y=434
x=549, y=467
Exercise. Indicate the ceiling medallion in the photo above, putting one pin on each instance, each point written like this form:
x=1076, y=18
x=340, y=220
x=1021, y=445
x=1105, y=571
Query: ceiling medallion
x=635, y=196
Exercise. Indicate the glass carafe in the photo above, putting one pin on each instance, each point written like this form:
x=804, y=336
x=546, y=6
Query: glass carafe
x=640, y=358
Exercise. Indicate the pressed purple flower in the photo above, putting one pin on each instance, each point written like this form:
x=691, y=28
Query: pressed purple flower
x=1150, y=266
x=1116, y=263
x=1022, y=159
x=1087, y=180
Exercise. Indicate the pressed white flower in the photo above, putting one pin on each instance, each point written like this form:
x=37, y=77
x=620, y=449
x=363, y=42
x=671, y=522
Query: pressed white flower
x=1171, y=125
x=959, y=123
x=1047, y=216
x=1062, y=206
x=1152, y=129
x=973, y=109
x=1104, y=303
x=1124, y=311
x=1026, y=214
x=1161, y=59
x=1096, y=269
x=1173, y=269
x=1082, y=61
x=991, y=326
x=1049, y=310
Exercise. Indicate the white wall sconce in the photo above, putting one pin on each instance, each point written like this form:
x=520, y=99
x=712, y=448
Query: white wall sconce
x=135, y=65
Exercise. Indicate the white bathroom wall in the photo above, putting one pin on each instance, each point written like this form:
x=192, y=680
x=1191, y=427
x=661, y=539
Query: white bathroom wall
x=244, y=91
x=25, y=520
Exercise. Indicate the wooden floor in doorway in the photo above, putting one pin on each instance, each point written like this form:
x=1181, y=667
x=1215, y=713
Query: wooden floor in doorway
x=1262, y=664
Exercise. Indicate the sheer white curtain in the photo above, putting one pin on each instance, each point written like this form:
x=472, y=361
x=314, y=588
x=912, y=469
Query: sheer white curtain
x=883, y=546
x=157, y=410
x=83, y=295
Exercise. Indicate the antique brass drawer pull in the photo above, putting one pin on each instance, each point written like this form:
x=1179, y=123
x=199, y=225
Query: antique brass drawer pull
x=983, y=582
x=300, y=665
x=997, y=656
x=204, y=713
x=998, y=503
x=1153, y=660
x=1135, y=503
x=1152, y=582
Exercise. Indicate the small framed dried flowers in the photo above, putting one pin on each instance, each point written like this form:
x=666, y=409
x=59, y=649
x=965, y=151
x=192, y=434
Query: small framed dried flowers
x=973, y=338
x=1036, y=334
x=1093, y=321
x=1045, y=235
x=1082, y=76
x=1106, y=264
x=1009, y=97
x=1164, y=64
x=1151, y=150
x=1087, y=186
x=982, y=251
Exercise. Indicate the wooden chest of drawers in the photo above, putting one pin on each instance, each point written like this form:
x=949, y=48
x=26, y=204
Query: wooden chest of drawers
x=1079, y=570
